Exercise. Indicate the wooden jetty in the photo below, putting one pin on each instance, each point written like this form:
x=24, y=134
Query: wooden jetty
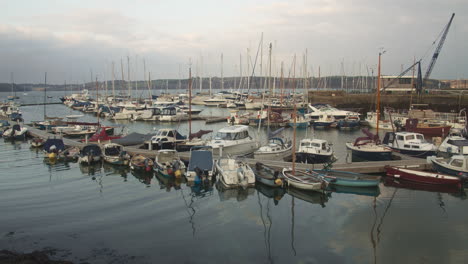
x=360, y=167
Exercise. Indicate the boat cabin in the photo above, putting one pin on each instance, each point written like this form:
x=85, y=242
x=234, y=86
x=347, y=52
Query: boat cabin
x=233, y=133
x=407, y=140
x=317, y=144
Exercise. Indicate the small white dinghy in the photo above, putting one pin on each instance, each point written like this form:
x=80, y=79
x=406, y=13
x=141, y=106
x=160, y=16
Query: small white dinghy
x=235, y=173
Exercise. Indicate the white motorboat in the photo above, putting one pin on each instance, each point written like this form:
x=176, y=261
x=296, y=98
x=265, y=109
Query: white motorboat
x=172, y=114
x=234, y=140
x=16, y=132
x=453, y=144
x=409, y=143
x=314, y=151
x=234, y=173
x=215, y=101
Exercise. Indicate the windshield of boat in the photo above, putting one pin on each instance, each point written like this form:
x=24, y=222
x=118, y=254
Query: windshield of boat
x=162, y=133
x=231, y=136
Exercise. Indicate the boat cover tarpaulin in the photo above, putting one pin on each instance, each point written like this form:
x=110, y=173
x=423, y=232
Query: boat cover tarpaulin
x=91, y=149
x=133, y=139
x=202, y=159
x=57, y=142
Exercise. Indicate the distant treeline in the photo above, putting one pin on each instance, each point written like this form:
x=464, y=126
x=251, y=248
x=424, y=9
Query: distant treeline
x=347, y=83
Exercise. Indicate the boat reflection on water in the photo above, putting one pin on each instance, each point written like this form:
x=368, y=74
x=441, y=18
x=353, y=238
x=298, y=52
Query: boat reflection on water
x=239, y=194
x=143, y=176
x=399, y=183
x=366, y=191
x=310, y=196
x=91, y=169
x=110, y=169
x=274, y=193
x=169, y=182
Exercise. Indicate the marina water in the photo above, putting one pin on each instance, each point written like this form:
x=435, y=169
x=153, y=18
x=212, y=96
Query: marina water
x=104, y=214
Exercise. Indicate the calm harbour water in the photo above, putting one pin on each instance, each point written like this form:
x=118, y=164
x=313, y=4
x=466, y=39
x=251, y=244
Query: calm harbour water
x=109, y=215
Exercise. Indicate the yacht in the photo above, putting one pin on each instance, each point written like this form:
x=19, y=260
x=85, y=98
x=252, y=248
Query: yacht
x=233, y=140
x=276, y=149
x=316, y=110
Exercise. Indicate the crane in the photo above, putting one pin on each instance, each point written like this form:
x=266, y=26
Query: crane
x=439, y=47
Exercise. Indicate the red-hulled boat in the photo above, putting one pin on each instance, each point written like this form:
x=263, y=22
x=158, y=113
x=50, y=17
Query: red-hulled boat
x=423, y=177
x=413, y=125
x=398, y=183
x=102, y=135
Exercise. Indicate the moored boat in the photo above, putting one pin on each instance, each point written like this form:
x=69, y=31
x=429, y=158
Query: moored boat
x=141, y=163
x=16, y=132
x=234, y=173
x=304, y=180
x=267, y=175
x=350, y=179
x=457, y=165
x=422, y=176
x=409, y=143
x=314, y=151
x=168, y=164
x=115, y=154
x=90, y=154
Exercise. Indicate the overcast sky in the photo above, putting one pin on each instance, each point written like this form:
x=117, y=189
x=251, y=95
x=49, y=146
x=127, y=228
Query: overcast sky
x=70, y=39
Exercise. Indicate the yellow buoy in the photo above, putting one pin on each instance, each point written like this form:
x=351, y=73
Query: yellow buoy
x=177, y=173
x=278, y=182
x=52, y=155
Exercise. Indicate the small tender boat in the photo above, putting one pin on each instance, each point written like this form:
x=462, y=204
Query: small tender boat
x=305, y=180
x=69, y=154
x=409, y=143
x=37, y=142
x=350, y=179
x=16, y=132
x=234, y=173
x=314, y=151
x=422, y=176
x=267, y=175
x=114, y=154
x=90, y=154
x=168, y=164
x=141, y=163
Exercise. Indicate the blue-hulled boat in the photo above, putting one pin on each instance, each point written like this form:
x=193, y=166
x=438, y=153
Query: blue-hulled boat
x=350, y=179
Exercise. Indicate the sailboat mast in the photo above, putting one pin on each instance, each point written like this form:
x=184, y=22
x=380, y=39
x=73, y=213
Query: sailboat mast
x=97, y=99
x=45, y=94
x=271, y=88
x=113, y=83
x=377, y=110
x=222, y=77
x=190, y=99
x=294, y=118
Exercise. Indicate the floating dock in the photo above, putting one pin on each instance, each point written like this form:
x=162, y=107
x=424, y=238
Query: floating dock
x=359, y=167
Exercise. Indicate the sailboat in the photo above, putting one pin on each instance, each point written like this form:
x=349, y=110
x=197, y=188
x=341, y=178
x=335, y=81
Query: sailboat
x=300, y=179
x=370, y=147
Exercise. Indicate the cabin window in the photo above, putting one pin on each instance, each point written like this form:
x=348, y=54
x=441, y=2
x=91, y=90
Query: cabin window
x=410, y=137
x=400, y=138
x=317, y=145
x=415, y=147
x=170, y=134
x=303, y=144
x=420, y=137
x=457, y=163
x=224, y=136
x=407, y=146
x=324, y=147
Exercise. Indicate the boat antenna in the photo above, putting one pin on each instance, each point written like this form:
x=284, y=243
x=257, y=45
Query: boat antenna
x=377, y=110
x=45, y=95
x=97, y=100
